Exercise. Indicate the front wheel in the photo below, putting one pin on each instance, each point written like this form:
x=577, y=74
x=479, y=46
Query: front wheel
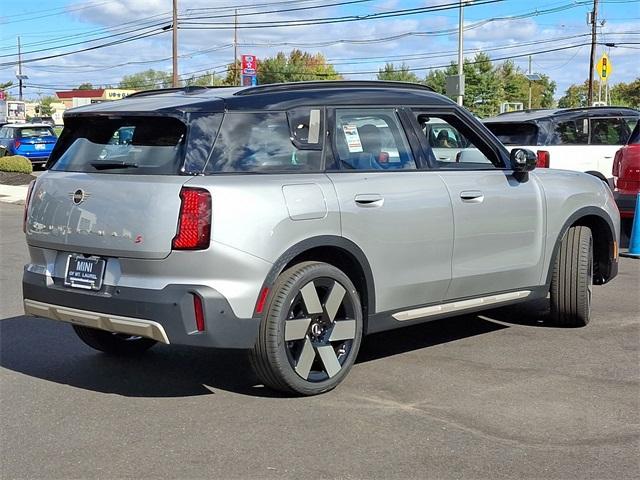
x=113, y=343
x=572, y=279
x=310, y=334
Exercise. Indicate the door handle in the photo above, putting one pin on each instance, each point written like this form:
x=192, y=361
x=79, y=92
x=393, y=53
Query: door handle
x=369, y=200
x=472, y=196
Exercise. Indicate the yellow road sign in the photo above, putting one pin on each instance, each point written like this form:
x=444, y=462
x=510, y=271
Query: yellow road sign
x=604, y=67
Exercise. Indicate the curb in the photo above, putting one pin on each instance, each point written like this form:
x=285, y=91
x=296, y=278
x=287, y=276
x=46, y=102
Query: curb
x=15, y=194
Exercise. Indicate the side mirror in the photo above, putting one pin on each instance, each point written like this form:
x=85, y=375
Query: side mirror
x=523, y=160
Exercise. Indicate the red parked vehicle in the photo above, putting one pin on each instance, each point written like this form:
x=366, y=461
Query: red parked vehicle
x=626, y=173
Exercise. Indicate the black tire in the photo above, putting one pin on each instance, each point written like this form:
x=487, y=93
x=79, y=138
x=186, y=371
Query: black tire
x=572, y=279
x=306, y=344
x=113, y=343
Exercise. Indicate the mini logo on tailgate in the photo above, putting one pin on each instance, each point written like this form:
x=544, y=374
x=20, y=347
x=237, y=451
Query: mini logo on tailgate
x=79, y=196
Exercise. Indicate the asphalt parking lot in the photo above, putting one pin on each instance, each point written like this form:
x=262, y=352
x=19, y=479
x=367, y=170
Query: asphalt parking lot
x=497, y=395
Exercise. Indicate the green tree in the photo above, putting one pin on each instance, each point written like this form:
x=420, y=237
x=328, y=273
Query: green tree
x=4, y=86
x=487, y=85
x=298, y=66
x=437, y=79
x=85, y=86
x=482, y=86
x=626, y=94
x=515, y=87
x=233, y=74
x=574, y=96
x=208, y=79
x=621, y=94
x=402, y=73
x=147, y=80
x=45, y=109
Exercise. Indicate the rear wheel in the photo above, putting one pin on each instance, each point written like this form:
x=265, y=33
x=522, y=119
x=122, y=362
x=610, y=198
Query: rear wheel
x=572, y=279
x=310, y=335
x=113, y=343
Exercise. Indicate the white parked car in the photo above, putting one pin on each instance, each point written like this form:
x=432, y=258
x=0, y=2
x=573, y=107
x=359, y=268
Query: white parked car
x=580, y=139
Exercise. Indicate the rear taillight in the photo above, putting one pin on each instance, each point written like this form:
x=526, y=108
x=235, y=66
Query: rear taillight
x=543, y=159
x=26, y=205
x=17, y=143
x=616, y=163
x=194, y=224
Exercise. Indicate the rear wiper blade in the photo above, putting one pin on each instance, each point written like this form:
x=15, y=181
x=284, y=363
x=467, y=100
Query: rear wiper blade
x=110, y=165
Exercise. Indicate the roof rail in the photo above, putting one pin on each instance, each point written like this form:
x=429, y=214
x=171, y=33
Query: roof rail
x=188, y=89
x=600, y=107
x=277, y=87
x=526, y=110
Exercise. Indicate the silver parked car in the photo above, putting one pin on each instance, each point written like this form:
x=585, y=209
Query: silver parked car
x=290, y=220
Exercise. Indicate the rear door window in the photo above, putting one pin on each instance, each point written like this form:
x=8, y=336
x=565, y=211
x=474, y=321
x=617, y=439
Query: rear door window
x=371, y=139
x=609, y=131
x=571, y=132
x=268, y=143
x=513, y=133
x=126, y=145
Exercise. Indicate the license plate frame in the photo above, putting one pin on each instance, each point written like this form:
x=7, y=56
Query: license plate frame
x=87, y=275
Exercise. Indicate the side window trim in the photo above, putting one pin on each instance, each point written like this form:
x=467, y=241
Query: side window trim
x=474, y=137
x=415, y=141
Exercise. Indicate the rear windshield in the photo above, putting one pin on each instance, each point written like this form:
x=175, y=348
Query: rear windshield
x=513, y=133
x=127, y=145
x=35, y=132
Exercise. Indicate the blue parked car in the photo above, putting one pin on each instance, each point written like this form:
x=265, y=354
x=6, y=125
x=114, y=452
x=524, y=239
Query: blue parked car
x=32, y=140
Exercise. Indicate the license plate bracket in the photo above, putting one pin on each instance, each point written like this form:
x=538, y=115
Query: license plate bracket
x=84, y=272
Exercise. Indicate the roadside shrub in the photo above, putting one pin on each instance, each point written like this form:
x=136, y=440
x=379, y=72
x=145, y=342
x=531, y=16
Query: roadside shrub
x=16, y=163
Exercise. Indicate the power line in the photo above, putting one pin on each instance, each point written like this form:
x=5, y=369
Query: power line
x=87, y=49
x=328, y=20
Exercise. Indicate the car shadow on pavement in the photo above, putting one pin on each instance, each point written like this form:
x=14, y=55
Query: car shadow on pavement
x=51, y=351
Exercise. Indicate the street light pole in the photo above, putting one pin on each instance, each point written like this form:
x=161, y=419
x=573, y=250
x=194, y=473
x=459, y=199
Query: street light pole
x=175, y=44
x=460, y=48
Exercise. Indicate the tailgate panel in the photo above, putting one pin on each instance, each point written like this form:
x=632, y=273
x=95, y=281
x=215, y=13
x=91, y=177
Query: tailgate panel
x=133, y=216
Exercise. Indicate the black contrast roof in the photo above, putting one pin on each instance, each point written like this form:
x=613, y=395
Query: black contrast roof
x=282, y=96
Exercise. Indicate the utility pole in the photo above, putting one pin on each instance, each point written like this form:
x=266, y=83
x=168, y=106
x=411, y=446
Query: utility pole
x=529, y=82
x=460, y=49
x=174, y=27
x=20, y=77
x=592, y=61
x=236, y=77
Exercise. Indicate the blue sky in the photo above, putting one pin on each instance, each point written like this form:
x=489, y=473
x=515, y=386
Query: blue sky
x=422, y=40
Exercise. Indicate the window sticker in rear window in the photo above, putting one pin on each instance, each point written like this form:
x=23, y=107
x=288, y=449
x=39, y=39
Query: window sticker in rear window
x=353, y=138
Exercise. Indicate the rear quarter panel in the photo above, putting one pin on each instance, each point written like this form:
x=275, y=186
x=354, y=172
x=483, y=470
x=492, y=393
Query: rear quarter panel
x=264, y=215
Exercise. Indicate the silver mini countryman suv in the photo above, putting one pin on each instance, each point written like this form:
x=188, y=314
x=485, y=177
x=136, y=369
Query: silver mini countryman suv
x=292, y=219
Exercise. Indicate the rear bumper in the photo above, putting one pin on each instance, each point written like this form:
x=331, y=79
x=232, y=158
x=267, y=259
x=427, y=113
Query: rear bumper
x=35, y=157
x=626, y=203
x=166, y=315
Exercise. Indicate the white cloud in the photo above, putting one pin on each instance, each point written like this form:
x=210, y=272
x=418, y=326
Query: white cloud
x=566, y=67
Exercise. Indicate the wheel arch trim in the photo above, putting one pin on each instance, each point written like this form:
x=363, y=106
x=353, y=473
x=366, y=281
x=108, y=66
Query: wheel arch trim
x=575, y=217
x=332, y=241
